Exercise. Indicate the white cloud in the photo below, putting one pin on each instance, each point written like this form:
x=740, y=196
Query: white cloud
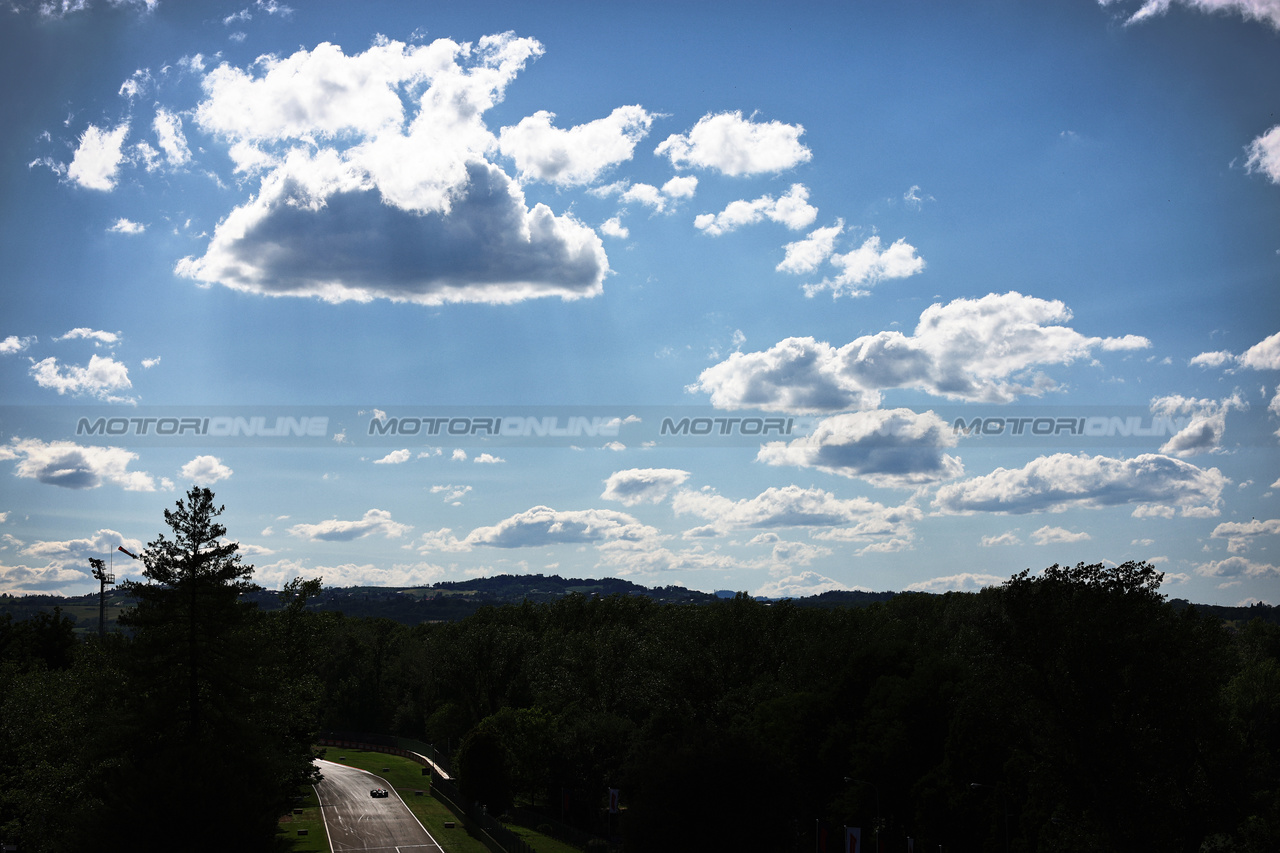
x=1063, y=481
x=102, y=544
x=793, y=506
x=395, y=457
x=276, y=575
x=359, y=195
x=868, y=265
x=1239, y=535
x=1058, y=535
x=543, y=525
x=168, y=129
x=374, y=522
x=807, y=255
x=614, y=228
x=148, y=363
x=53, y=579
x=734, y=146
x=897, y=448
x=125, y=226
x=66, y=464
x=442, y=540
x=1264, y=154
x=85, y=333
x=452, y=494
x=1237, y=567
x=964, y=582
x=1264, y=355
x=792, y=209
x=488, y=459
x=205, y=470
x=980, y=350
x=96, y=163
x=681, y=186
x=1208, y=424
x=802, y=585
x=578, y=155
x=1007, y=538
x=1266, y=11
x=101, y=378
x=13, y=344
x=642, y=485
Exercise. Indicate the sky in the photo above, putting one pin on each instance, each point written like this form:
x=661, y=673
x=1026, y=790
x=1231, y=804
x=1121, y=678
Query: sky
x=772, y=297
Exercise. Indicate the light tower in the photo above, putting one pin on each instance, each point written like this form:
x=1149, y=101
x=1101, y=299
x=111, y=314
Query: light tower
x=104, y=577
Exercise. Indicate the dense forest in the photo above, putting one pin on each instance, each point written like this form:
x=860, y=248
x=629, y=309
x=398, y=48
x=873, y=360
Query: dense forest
x=1072, y=709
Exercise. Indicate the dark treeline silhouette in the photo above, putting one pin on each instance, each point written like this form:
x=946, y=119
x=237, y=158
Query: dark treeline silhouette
x=1075, y=709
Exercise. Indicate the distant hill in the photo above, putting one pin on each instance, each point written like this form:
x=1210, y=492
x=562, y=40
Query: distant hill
x=449, y=601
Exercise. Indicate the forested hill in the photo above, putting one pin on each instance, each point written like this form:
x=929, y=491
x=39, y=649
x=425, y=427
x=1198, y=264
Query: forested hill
x=450, y=601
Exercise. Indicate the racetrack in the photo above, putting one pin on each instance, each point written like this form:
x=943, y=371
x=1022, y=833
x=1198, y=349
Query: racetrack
x=357, y=821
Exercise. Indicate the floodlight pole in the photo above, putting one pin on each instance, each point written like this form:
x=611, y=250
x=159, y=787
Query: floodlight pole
x=104, y=577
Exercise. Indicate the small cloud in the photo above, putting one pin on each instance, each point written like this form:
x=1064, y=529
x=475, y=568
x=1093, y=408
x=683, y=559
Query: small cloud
x=395, y=457
x=125, y=226
x=205, y=470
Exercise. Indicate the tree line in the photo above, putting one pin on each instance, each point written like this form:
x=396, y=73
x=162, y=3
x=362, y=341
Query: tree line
x=1065, y=710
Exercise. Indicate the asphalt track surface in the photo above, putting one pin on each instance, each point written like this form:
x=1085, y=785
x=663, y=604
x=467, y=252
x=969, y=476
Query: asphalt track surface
x=357, y=821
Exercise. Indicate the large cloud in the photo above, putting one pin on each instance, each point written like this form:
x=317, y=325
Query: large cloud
x=793, y=506
x=969, y=349
x=376, y=182
x=66, y=464
x=887, y=447
x=1064, y=481
x=642, y=485
x=733, y=145
x=1208, y=423
x=543, y=525
x=1264, y=355
x=374, y=522
x=101, y=378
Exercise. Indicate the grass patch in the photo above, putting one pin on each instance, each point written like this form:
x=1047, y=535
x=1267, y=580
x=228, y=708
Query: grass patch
x=316, y=840
x=541, y=843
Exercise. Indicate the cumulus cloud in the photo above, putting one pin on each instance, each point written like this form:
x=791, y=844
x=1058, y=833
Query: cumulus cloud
x=867, y=265
x=66, y=464
x=542, y=525
x=1064, y=481
x=96, y=164
x=1235, y=568
x=792, y=209
x=1265, y=11
x=205, y=470
x=126, y=226
x=1264, y=355
x=361, y=198
x=804, y=256
x=642, y=485
x=793, y=506
x=102, y=543
x=395, y=457
x=85, y=333
x=1058, y=535
x=1240, y=535
x=51, y=579
x=101, y=378
x=1203, y=433
x=13, y=344
x=982, y=350
x=963, y=582
x=578, y=155
x=1007, y=538
x=802, y=585
x=375, y=522
x=886, y=447
x=732, y=145
x=276, y=575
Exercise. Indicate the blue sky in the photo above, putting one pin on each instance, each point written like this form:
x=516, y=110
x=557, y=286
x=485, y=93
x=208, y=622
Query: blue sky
x=873, y=295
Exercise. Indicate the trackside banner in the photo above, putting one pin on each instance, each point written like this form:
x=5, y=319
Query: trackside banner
x=587, y=426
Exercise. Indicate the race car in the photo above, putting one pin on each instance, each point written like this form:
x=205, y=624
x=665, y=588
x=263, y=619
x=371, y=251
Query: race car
x=379, y=792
